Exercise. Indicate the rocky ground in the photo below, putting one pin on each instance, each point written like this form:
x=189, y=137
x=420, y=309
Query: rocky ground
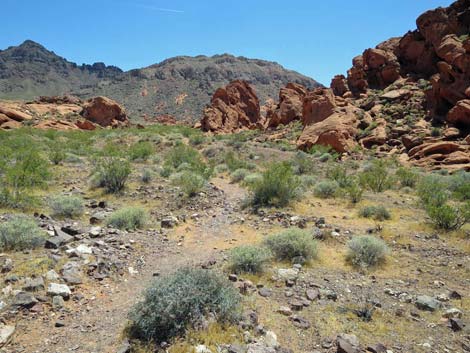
x=74, y=294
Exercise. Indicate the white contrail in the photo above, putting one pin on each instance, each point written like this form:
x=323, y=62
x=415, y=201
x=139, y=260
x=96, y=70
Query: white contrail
x=161, y=9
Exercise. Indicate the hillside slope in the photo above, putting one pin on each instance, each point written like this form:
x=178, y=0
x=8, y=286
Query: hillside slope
x=179, y=86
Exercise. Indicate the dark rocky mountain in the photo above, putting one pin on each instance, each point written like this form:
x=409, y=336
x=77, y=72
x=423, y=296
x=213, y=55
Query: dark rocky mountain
x=179, y=86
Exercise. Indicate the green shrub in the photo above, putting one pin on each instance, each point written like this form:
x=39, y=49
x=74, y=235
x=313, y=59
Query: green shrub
x=233, y=162
x=111, y=173
x=307, y=181
x=277, y=187
x=146, y=176
x=248, y=259
x=366, y=251
x=20, y=233
x=302, y=163
x=165, y=172
x=355, y=191
x=189, y=157
x=252, y=179
x=449, y=217
x=238, y=175
x=221, y=168
x=432, y=191
x=189, y=182
x=376, y=176
x=292, y=245
x=339, y=174
x=57, y=154
x=141, y=151
x=66, y=206
x=407, y=177
x=197, y=140
x=129, y=218
x=326, y=189
x=379, y=213
x=460, y=185
x=180, y=301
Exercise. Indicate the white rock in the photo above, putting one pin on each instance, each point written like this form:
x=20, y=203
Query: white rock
x=5, y=334
x=84, y=249
x=59, y=289
x=52, y=275
x=202, y=349
x=271, y=339
x=288, y=273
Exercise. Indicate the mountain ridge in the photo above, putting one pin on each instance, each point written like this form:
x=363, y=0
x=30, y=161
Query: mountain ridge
x=179, y=86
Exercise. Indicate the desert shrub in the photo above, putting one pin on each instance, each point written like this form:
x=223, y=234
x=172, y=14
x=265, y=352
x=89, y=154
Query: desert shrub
x=379, y=213
x=180, y=301
x=307, y=181
x=233, y=163
x=165, y=172
x=277, y=187
x=432, y=191
x=189, y=182
x=448, y=217
x=324, y=153
x=292, y=245
x=221, y=168
x=66, y=206
x=326, y=189
x=238, y=175
x=129, y=218
x=141, y=151
x=197, y=140
x=146, y=176
x=23, y=169
x=20, y=233
x=57, y=154
x=248, y=259
x=407, y=177
x=252, y=179
x=339, y=174
x=366, y=251
x=185, y=154
x=354, y=191
x=302, y=163
x=376, y=176
x=459, y=184
x=111, y=173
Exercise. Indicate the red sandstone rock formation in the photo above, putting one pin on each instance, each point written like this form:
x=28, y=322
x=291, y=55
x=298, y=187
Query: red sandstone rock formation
x=233, y=108
x=290, y=105
x=104, y=112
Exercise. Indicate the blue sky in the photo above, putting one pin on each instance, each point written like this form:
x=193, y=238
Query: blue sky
x=316, y=38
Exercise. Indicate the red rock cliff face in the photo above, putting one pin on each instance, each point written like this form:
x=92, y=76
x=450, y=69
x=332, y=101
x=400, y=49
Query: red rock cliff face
x=233, y=108
x=439, y=51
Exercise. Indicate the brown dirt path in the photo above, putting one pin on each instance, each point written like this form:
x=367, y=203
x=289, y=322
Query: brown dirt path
x=95, y=324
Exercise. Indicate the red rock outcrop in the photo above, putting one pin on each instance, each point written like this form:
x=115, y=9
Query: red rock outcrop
x=104, y=112
x=330, y=121
x=233, y=108
x=290, y=105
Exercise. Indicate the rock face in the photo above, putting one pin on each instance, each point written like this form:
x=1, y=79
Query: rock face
x=415, y=87
x=104, y=112
x=233, y=108
x=330, y=121
x=439, y=51
x=290, y=105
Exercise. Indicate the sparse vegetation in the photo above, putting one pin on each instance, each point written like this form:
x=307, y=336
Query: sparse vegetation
x=248, y=259
x=180, y=301
x=66, y=206
x=293, y=245
x=277, y=187
x=141, y=151
x=408, y=177
x=326, y=189
x=128, y=218
x=366, y=251
x=376, y=176
x=111, y=173
x=379, y=213
x=20, y=233
x=190, y=183
x=238, y=175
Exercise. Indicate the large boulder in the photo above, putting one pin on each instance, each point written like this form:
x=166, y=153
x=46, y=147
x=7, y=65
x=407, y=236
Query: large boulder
x=104, y=112
x=233, y=108
x=289, y=107
x=330, y=121
x=460, y=114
